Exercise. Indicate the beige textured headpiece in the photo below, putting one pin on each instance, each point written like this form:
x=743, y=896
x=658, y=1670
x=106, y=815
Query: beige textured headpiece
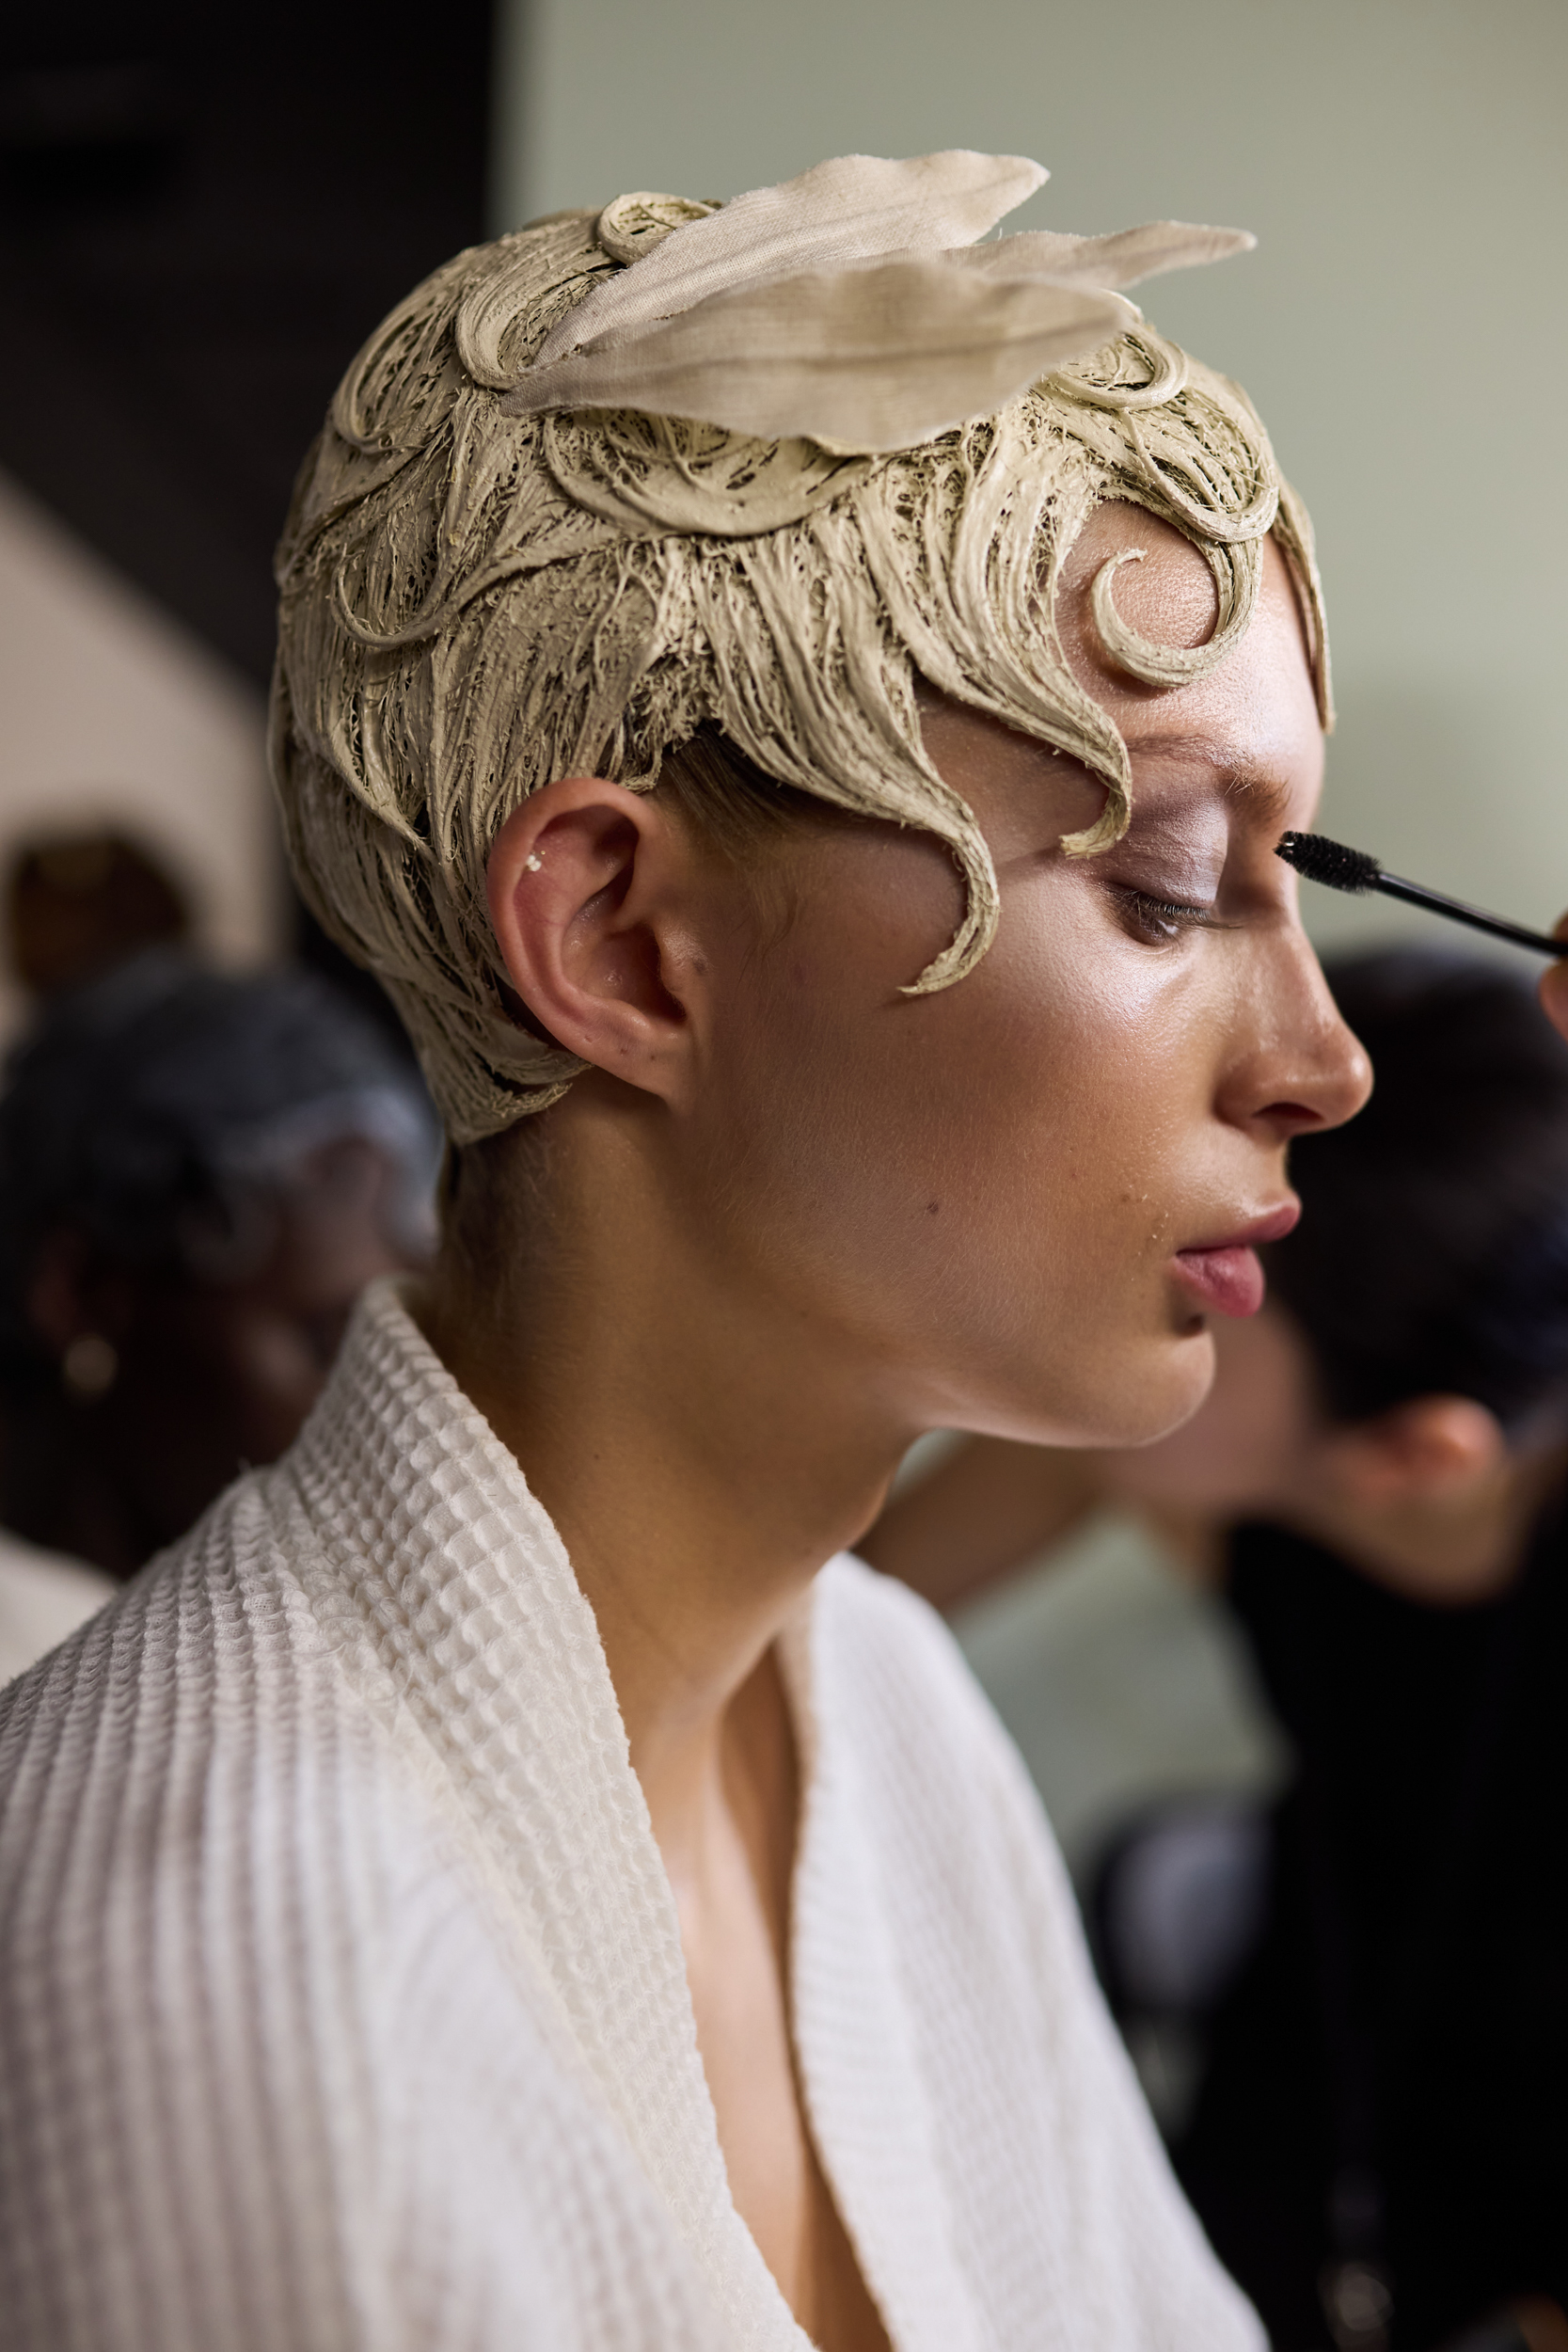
x=759, y=465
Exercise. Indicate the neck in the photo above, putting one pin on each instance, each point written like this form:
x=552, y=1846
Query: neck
x=700, y=1452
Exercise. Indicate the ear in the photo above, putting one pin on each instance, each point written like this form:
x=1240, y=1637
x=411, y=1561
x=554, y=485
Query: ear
x=1432, y=1450
x=591, y=892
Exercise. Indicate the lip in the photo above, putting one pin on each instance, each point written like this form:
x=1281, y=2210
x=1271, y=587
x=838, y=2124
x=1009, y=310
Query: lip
x=1225, y=1276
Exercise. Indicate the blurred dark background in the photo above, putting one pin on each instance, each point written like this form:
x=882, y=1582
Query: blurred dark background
x=202, y=213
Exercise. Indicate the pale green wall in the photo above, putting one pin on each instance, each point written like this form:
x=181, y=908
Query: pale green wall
x=1403, y=325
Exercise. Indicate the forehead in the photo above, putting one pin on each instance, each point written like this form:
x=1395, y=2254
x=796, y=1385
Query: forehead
x=1256, y=712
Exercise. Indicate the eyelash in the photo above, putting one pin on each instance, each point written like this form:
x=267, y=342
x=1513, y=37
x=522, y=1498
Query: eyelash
x=1160, y=920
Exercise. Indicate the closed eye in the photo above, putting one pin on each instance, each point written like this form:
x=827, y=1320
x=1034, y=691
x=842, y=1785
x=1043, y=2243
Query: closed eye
x=1160, y=920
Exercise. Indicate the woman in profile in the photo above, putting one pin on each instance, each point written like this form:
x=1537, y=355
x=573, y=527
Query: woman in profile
x=797, y=705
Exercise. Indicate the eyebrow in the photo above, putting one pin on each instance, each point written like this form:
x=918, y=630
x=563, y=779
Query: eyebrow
x=1235, y=766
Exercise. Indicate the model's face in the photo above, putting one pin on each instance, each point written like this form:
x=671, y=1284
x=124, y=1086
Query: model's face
x=1011, y=1199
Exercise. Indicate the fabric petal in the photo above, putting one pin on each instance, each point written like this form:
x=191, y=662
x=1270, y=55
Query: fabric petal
x=1119, y=259
x=863, y=359
x=846, y=210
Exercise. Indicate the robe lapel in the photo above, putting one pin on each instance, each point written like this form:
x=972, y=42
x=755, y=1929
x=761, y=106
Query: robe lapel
x=460, y=1583
x=876, y=2133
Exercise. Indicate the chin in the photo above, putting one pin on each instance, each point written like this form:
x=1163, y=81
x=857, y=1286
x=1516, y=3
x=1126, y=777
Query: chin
x=1132, y=1397
x=1159, y=1392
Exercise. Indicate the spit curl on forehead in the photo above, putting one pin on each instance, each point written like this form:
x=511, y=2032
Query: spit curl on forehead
x=475, y=603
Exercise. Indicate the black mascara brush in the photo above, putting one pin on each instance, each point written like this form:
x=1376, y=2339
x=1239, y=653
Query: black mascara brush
x=1324, y=860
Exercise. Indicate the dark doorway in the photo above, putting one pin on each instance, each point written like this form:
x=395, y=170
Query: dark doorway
x=202, y=213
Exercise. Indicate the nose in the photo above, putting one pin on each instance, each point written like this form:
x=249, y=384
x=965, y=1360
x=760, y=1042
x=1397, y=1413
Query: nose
x=1299, y=1069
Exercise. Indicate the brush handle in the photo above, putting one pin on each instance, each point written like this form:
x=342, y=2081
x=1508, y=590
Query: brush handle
x=1416, y=895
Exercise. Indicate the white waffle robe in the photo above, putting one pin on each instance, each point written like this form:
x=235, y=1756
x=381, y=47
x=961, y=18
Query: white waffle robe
x=342, y=1999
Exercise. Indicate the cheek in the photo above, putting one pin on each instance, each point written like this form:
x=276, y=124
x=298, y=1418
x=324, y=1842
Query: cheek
x=990, y=1159
x=1062, y=1079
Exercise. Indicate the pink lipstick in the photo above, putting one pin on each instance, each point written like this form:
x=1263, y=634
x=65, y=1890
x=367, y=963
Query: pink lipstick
x=1225, y=1276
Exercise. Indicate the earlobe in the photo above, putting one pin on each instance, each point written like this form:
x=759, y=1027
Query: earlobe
x=1429, y=1449
x=585, y=882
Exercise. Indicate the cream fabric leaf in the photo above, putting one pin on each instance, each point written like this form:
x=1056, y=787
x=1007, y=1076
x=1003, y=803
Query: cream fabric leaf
x=869, y=359
x=1119, y=259
x=850, y=208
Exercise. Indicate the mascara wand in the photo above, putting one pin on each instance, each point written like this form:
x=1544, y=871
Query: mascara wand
x=1324, y=860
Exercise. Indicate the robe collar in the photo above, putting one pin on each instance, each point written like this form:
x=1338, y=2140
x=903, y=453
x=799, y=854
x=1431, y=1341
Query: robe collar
x=447, y=1595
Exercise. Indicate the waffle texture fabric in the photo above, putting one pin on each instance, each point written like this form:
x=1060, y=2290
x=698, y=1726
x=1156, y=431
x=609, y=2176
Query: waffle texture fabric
x=43, y=1597
x=342, y=1996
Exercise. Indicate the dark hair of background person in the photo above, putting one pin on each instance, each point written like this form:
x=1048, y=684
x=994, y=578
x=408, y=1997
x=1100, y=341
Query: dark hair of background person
x=76, y=903
x=198, y=1173
x=1432, y=1256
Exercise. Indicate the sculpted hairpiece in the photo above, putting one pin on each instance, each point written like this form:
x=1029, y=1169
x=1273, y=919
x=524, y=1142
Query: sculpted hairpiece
x=760, y=465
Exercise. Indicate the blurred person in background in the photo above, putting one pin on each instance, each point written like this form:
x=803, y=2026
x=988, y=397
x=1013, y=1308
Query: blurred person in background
x=198, y=1173
x=1376, y=1969
x=76, y=903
